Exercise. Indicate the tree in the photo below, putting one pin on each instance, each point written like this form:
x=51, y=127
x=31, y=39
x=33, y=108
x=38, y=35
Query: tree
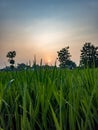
x=64, y=58
x=89, y=56
x=11, y=55
x=71, y=64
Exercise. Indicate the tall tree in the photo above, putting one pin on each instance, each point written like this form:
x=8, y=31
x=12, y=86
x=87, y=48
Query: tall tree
x=11, y=55
x=89, y=55
x=64, y=57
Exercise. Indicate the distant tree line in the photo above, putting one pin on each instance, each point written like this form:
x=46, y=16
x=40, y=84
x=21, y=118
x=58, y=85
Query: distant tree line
x=88, y=58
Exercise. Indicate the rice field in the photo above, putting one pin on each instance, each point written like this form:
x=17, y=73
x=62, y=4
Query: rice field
x=49, y=99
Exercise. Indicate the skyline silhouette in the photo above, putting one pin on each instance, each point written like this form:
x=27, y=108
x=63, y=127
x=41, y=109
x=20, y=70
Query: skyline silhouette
x=43, y=27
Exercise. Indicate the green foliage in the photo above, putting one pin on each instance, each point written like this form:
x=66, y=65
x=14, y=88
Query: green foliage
x=49, y=99
x=89, y=56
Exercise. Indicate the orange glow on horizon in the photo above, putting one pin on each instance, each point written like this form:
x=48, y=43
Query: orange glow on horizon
x=49, y=61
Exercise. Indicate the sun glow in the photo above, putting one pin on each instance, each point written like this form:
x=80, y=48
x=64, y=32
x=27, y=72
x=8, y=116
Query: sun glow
x=49, y=61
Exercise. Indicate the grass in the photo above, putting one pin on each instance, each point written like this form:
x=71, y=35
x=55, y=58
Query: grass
x=49, y=99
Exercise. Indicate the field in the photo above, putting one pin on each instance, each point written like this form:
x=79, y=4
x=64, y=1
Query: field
x=49, y=99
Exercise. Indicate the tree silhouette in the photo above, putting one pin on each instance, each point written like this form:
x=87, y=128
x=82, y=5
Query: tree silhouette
x=11, y=55
x=64, y=57
x=89, y=56
x=71, y=64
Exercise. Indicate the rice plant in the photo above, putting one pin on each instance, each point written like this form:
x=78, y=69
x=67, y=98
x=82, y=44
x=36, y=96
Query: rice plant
x=49, y=99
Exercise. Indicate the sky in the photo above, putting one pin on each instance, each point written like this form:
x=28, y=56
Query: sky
x=42, y=27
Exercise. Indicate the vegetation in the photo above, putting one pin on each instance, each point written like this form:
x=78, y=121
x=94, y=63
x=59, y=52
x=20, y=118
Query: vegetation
x=89, y=55
x=11, y=55
x=88, y=58
x=64, y=58
x=49, y=99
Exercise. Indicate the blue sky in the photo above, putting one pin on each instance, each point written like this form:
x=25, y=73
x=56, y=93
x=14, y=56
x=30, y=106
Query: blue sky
x=42, y=27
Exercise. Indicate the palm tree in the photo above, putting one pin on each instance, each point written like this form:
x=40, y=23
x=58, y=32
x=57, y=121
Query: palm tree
x=11, y=55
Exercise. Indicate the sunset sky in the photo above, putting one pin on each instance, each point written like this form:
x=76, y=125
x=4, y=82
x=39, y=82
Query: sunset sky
x=43, y=27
